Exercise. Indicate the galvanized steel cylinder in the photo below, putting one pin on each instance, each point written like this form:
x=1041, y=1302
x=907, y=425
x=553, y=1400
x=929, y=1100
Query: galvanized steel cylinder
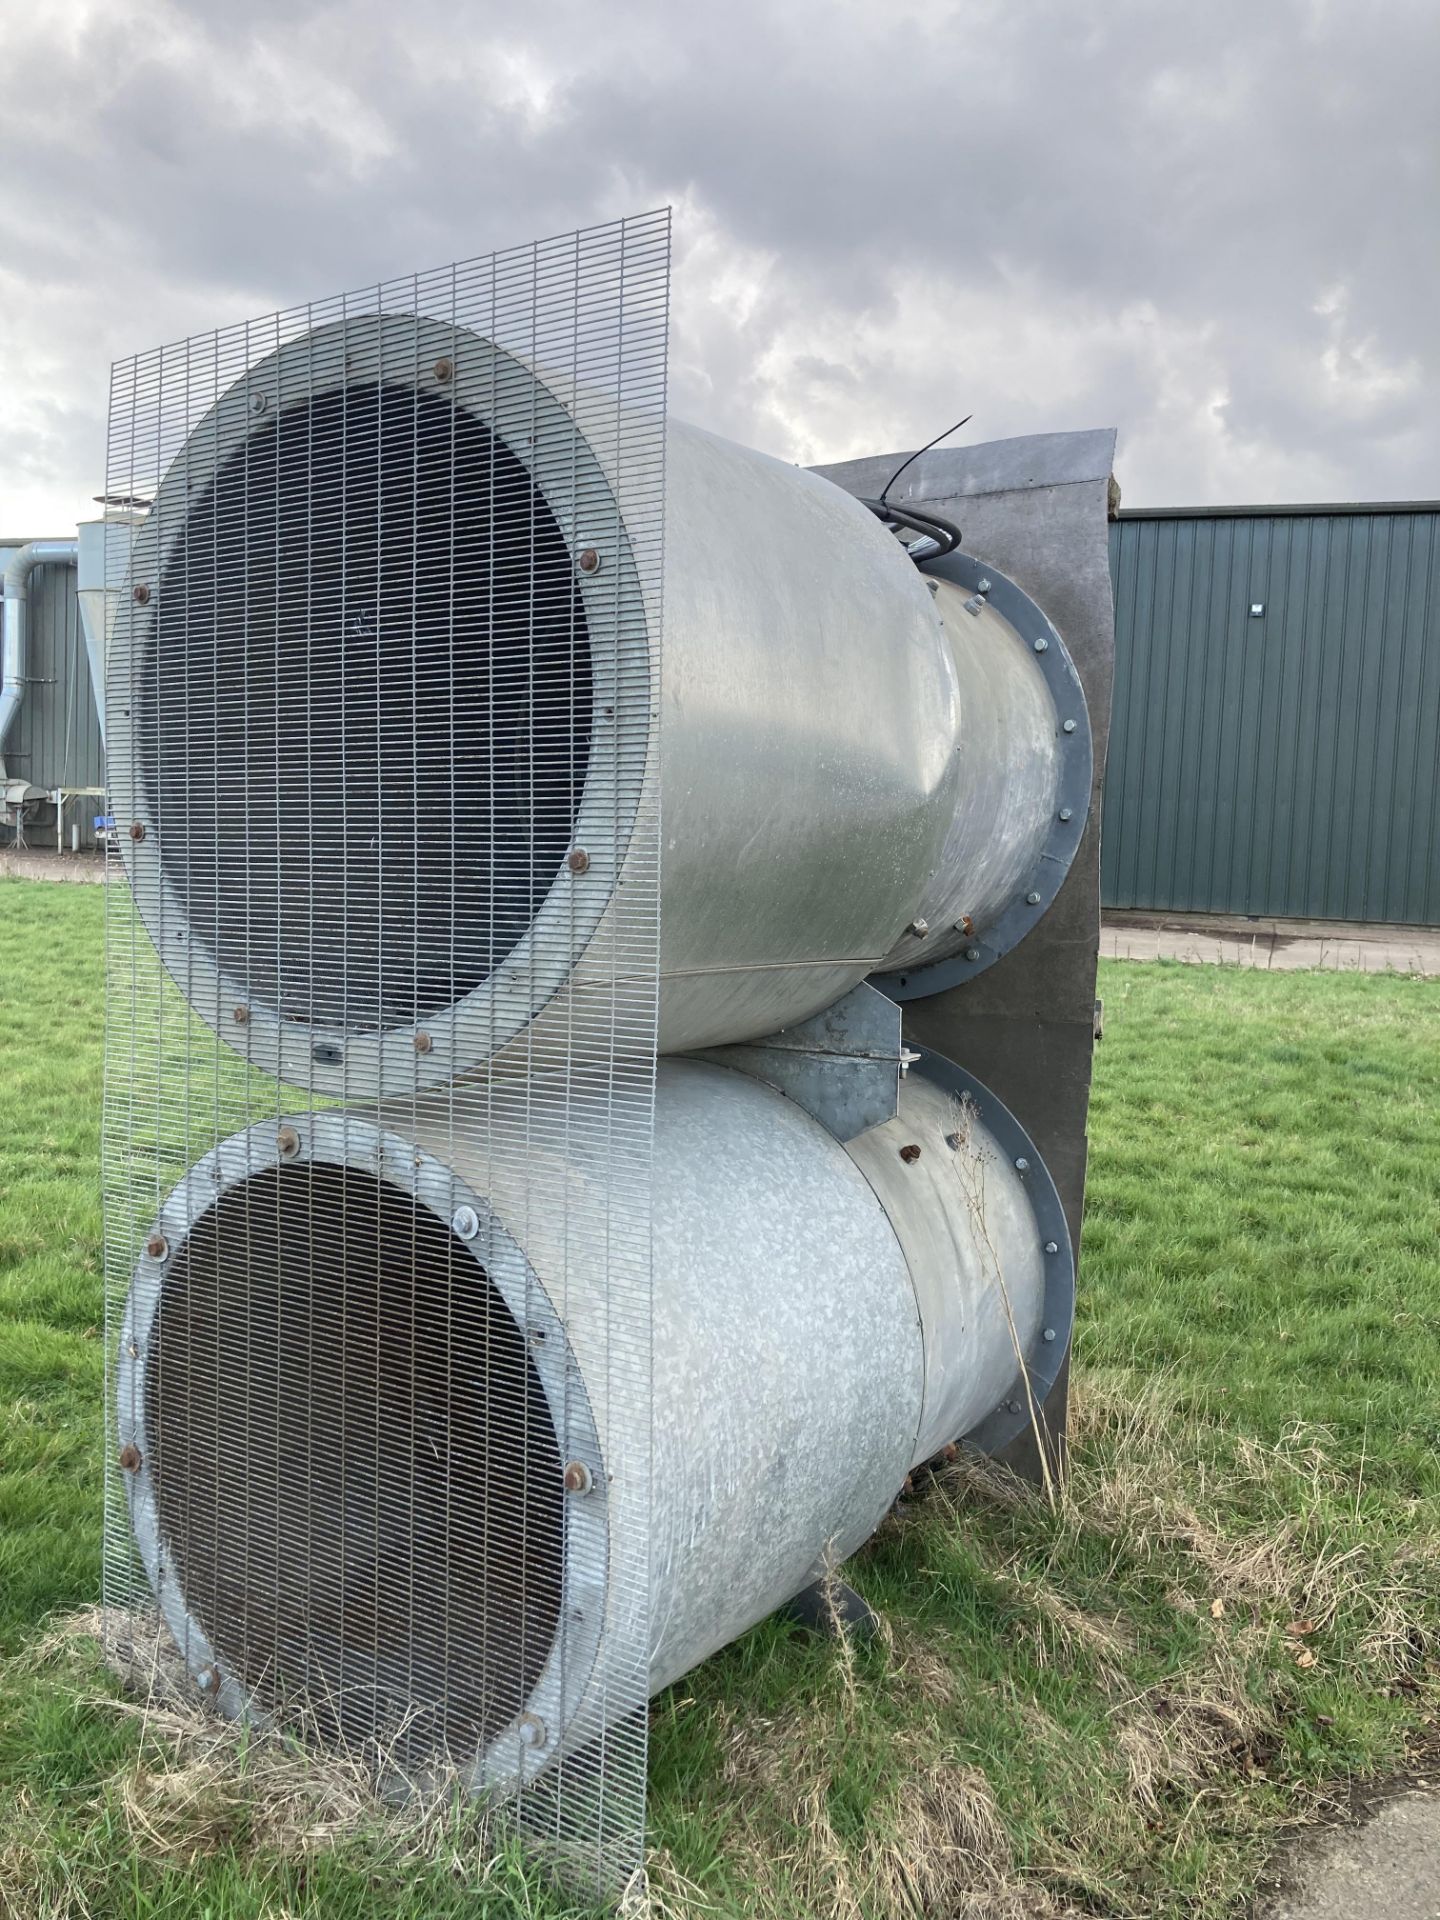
x=387, y=533
x=428, y=1341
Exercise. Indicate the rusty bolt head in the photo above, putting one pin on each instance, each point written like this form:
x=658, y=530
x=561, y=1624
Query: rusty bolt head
x=910, y=1154
x=444, y=370
x=423, y=1042
x=137, y=829
x=920, y=927
x=208, y=1679
x=589, y=560
x=130, y=1458
x=577, y=1477
x=287, y=1142
x=531, y=1729
x=241, y=1016
x=140, y=595
x=157, y=1246
x=578, y=860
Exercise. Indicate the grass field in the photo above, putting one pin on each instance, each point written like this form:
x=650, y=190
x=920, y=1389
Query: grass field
x=1109, y=1707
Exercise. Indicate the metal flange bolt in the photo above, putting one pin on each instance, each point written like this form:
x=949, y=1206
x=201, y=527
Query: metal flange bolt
x=140, y=595
x=578, y=860
x=287, y=1143
x=531, y=1729
x=444, y=371
x=130, y=1457
x=423, y=1042
x=158, y=1247
x=578, y=1478
x=589, y=560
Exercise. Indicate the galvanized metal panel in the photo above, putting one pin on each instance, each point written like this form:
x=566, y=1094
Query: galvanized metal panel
x=55, y=741
x=1283, y=763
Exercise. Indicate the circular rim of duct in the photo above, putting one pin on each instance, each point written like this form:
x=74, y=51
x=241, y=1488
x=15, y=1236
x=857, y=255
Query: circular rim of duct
x=1072, y=795
x=1011, y=1418
x=339, y=1139
x=562, y=463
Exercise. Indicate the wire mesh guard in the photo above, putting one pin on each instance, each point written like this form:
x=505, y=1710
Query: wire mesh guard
x=382, y=699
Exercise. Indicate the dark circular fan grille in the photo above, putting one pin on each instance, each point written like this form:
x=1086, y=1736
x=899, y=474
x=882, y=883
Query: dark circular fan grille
x=356, y=1473
x=364, y=717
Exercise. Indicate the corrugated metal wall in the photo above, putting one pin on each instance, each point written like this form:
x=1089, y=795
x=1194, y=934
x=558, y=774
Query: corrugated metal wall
x=1283, y=764
x=55, y=741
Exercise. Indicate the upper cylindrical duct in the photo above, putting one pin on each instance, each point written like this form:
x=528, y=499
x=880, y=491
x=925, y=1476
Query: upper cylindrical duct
x=386, y=711
x=383, y=1299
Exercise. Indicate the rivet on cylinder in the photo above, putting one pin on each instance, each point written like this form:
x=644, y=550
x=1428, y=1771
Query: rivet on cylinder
x=444, y=371
x=130, y=1458
x=531, y=1729
x=137, y=829
x=578, y=860
x=158, y=1247
x=589, y=561
x=241, y=1016
x=577, y=1477
x=1022, y=1165
x=1069, y=727
x=287, y=1143
x=140, y=595
x=423, y=1042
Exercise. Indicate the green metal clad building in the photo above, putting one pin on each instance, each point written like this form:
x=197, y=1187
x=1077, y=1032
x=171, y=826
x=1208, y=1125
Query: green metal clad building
x=1275, y=748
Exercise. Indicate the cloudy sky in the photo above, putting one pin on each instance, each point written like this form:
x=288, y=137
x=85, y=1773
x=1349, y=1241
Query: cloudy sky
x=1215, y=226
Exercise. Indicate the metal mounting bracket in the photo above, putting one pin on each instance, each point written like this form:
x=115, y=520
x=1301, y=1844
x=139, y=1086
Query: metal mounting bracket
x=843, y=1066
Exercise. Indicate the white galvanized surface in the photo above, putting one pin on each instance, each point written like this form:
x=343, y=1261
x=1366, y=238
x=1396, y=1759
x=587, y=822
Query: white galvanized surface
x=825, y=1318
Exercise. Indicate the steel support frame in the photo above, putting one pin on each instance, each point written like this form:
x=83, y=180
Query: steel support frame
x=1037, y=509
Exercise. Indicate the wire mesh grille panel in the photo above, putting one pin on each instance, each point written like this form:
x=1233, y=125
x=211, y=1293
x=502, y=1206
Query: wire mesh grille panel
x=382, y=685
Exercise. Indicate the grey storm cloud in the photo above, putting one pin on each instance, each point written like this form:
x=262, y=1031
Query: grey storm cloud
x=1213, y=227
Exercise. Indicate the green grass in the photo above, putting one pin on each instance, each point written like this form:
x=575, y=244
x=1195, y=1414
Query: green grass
x=1102, y=1708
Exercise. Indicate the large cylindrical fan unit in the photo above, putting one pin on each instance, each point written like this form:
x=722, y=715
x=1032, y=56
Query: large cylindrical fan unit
x=370, y=1304
x=391, y=711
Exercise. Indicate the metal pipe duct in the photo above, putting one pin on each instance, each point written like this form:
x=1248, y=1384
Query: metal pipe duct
x=380, y=538
x=372, y=1309
x=15, y=634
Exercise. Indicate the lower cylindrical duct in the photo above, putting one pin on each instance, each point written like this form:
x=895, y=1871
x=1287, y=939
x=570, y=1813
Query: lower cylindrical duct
x=413, y=1354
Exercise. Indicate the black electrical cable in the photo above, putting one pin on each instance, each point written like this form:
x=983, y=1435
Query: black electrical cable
x=945, y=531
